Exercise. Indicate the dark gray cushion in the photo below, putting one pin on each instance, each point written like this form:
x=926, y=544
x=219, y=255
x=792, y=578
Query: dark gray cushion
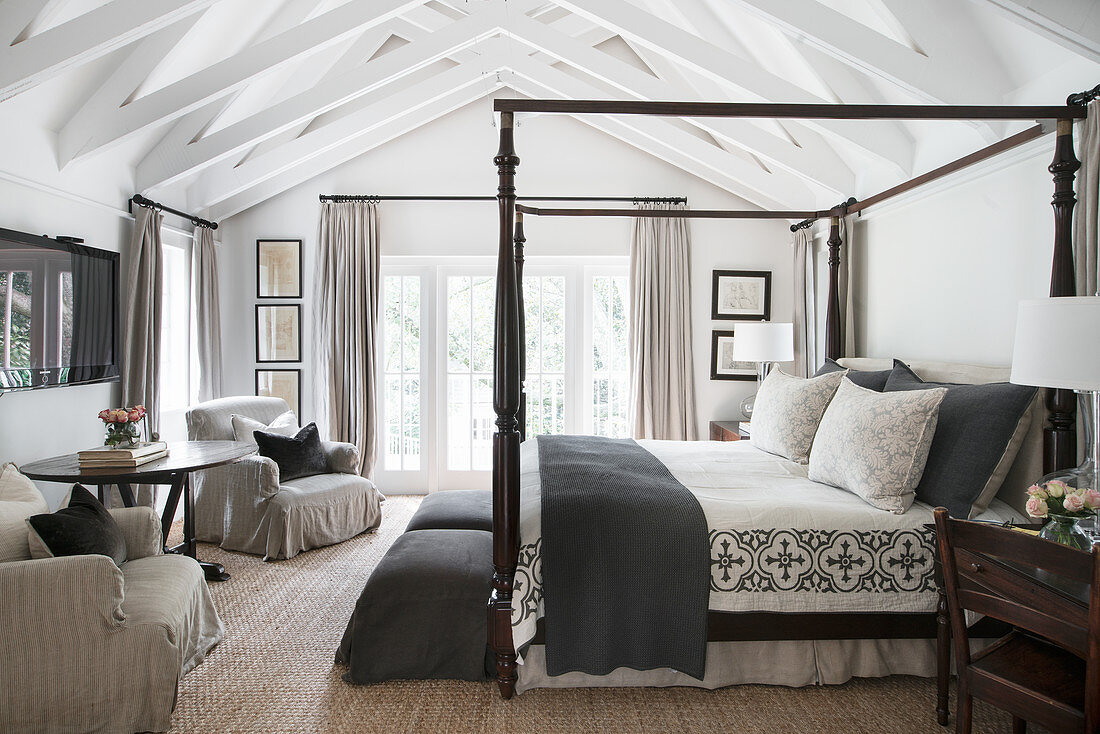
x=422, y=613
x=298, y=456
x=84, y=527
x=978, y=435
x=459, y=509
x=870, y=379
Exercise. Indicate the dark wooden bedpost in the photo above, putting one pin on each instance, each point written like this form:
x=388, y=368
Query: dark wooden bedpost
x=834, y=341
x=506, y=391
x=519, y=240
x=1060, y=437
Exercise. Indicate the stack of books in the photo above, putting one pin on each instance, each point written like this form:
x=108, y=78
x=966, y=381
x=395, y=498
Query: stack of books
x=106, y=457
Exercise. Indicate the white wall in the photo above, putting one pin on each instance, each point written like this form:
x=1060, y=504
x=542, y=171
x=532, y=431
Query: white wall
x=41, y=423
x=939, y=275
x=559, y=156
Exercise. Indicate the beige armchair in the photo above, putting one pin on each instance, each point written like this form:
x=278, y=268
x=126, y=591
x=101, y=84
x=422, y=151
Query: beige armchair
x=90, y=646
x=244, y=506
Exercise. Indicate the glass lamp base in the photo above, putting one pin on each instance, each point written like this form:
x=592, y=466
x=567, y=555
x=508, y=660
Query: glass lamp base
x=1083, y=476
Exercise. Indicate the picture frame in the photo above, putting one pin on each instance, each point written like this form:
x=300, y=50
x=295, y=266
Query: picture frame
x=722, y=365
x=278, y=268
x=278, y=332
x=741, y=295
x=281, y=383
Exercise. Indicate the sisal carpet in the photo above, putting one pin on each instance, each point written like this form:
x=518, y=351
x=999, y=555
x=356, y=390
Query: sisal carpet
x=274, y=673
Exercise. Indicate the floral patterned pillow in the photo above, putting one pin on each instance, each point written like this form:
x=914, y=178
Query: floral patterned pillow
x=788, y=410
x=875, y=444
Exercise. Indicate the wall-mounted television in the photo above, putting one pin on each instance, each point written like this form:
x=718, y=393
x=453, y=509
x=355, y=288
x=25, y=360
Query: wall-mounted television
x=58, y=312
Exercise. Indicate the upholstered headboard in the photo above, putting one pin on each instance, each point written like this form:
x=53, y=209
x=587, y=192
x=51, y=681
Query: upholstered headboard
x=1028, y=466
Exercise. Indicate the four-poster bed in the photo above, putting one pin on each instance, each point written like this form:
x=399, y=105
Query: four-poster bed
x=1059, y=445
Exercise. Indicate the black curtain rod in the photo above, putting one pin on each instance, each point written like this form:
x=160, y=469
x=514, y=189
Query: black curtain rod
x=377, y=198
x=197, y=221
x=1083, y=98
x=840, y=210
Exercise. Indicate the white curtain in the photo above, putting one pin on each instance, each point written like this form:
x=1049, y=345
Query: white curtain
x=805, y=302
x=141, y=339
x=347, y=325
x=662, y=378
x=1087, y=213
x=847, y=297
x=204, y=267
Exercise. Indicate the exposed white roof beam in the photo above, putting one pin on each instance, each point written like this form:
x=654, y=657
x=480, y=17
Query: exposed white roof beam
x=113, y=93
x=350, y=149
x=179, y=98
x=1074, y=25
x=87, y=37
x=163, y=166
x=709, y=162
x=17, y=15
x=715, y=62
x=822, y=166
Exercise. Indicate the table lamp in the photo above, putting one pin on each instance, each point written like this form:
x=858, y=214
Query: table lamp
x=762, y=342
x=1058, y=345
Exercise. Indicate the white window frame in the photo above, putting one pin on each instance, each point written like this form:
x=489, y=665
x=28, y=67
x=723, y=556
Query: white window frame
x=596, y=267
x=173, y=421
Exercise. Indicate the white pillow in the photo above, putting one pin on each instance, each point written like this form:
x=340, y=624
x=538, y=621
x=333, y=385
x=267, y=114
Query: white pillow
x=787, y=411
x=19, y=499
x=875, y=444
x=243, y=426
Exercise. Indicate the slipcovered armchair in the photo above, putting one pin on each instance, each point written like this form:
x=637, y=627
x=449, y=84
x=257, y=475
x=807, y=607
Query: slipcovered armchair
x=91, y=646
x=244, y=506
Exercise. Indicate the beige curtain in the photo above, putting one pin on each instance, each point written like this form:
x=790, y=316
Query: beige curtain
x=1087, y=213
x=204, y=269
x=662, y=378
x=141, y=339
x=805, y=302
x=347, y=325
x=847, y=291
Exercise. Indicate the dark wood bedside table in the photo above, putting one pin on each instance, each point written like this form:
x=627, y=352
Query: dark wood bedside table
x=727, y=431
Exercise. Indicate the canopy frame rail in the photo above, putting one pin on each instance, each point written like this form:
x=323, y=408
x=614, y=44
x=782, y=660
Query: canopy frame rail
x=508, y=368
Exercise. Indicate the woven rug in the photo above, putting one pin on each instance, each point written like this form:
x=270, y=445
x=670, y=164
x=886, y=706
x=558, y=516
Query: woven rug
x=274, y=673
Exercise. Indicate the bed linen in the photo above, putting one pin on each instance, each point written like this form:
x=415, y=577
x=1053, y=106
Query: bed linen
x=779, y=542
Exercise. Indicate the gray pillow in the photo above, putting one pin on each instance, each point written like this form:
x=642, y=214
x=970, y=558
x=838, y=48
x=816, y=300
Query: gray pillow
x=870, y=379
x=980, y=431
x=788, y=410
x=874, y=444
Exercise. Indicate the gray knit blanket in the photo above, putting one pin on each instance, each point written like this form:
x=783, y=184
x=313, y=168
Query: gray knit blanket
x=625, y=560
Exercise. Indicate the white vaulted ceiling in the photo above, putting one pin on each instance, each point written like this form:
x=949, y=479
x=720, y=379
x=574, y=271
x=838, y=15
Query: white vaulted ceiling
x=217, y=105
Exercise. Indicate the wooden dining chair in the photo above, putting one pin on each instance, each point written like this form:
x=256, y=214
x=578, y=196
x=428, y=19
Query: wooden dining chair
x=1047, y=670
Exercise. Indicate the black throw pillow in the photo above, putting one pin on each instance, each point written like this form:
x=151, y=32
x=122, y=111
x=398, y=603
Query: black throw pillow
x=297, y=456
x=973, y=447
x=870, y=379
x=84, y=527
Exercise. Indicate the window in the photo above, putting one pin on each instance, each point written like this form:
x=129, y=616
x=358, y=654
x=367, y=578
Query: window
x=544, y=321
x=610, y=374
x=470, y=416
x=175, y=330
x=401, y=298
x=16, y=300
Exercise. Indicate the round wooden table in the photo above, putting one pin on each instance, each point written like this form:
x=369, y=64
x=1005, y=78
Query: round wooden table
x=174, y=470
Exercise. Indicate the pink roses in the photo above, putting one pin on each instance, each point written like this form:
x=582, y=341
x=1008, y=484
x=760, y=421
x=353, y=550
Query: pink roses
x=122, y=415
x=1058, y=498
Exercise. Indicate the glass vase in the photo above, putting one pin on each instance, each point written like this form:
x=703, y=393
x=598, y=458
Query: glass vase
x=121, y=435
x=1063, y=529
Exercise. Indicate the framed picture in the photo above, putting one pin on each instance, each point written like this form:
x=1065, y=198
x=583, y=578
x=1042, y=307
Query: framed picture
x=285, y=384
x=722, y=364
x=742, y=295
x=278, y=268
x=279, y=333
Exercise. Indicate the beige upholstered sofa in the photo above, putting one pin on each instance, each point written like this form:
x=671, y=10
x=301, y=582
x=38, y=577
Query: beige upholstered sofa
x=86, y=645
x=244, y=506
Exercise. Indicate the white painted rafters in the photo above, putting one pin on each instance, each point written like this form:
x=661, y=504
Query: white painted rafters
x=1074, y=25
x=85, y=38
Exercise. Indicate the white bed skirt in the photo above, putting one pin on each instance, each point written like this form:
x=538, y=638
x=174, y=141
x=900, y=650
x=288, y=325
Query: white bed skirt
x=782, y=663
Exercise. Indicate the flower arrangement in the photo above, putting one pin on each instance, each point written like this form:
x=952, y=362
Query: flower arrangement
x=1058, y=498
x=122, y=428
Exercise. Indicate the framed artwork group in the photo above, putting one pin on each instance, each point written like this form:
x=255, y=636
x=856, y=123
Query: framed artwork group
x=279, y=325
x=736, y=295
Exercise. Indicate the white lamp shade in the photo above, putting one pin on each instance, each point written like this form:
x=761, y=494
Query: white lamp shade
x=762, y=341
x=1058, y=343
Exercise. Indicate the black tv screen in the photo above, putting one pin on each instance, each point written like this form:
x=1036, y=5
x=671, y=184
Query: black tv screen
x=58, y=312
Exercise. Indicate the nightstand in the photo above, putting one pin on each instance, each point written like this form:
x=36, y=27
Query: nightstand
x=727, y=431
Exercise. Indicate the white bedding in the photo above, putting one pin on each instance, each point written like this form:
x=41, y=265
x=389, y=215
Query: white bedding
x=779, y=542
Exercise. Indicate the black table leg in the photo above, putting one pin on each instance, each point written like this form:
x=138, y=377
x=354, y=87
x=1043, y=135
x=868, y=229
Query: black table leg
x=126, y=494
x=181, y=487
x=105, y=495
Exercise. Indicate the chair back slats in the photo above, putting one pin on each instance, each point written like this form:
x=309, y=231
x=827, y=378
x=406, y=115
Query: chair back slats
x=994, y=540
x=1073, y=638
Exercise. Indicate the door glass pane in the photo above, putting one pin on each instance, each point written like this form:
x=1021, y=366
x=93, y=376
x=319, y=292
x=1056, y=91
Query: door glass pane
x=402, y=379
x=544, y=320
x=610, y=376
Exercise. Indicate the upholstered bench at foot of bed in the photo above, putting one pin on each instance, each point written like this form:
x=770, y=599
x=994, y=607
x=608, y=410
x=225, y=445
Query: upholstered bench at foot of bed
x=422, y=612
x=459, y=509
